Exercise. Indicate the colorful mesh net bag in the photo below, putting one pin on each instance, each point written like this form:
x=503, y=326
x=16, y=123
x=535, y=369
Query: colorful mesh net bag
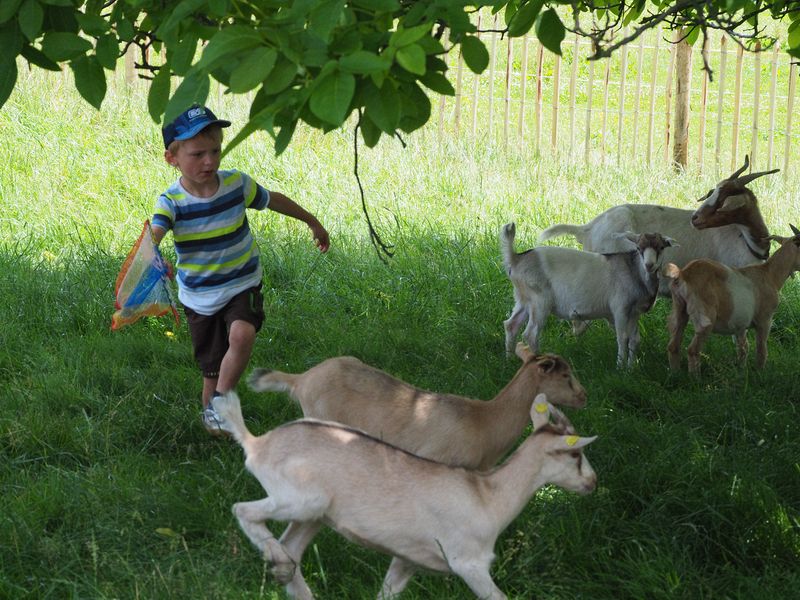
x=142, y=288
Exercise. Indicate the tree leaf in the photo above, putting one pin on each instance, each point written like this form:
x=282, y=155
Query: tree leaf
x=524, y=18
x=180, y=54
x=179, y=13
x=550, y=30
x=475, y=54
x=412, y=59
x=90, y=79
x=107, y=51
x=369, y=131
x=254, y=69
x=192, y=90
x=8, y=76
x=31, y=17
x=437, y=82
x=284, y=137
x=158, y=96
x=331, y=98
x=8, y=8
x=62, y=46
x=405, y=37
x=364, y=63
x=382, y=106
x=35, y=57
x=231, y=40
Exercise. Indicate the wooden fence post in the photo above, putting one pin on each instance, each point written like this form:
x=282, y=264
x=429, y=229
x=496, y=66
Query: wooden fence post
x=668, y=98
x=756, y=103
x=652, y=114
x=789, y=109
x=701, y=146
x=737, y=98
x=723, y=59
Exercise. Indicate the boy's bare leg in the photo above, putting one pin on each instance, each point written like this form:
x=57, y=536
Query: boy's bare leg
x=241, y=338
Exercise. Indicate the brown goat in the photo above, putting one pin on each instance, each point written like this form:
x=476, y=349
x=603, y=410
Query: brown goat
x=722, y=299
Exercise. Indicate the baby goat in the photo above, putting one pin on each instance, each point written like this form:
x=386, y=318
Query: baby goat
x=579, y=286
x=452, y=429
x=423, y=513
x=721, y=299
x=728, y=226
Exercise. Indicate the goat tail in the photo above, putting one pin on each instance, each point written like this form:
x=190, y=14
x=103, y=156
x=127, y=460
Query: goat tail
x=508, y=233
x=563, y=229
x=229, y=409
x=270, y=380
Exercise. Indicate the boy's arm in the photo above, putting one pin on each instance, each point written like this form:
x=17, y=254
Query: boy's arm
x=158, y=234
x=286, y=206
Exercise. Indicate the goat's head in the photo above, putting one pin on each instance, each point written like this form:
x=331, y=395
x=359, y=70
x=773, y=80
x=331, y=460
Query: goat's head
x=566, y=465
x=554, y=377
x=730, y=201
x=650, y=247
x=794, y=241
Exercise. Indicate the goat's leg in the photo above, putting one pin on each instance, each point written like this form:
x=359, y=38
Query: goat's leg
x=536, y=320
x=622, y=329
x=295, y=540
x=513, y=324
x=251, y=517
x=762, y=335
x=696, y=346
x=676, y=323
x=397, y=577
x=634, y=339
x=742, y=347
x=476, y=576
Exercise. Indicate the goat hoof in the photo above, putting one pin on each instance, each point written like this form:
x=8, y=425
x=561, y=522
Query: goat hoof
x=283, y=572
x=253, y=380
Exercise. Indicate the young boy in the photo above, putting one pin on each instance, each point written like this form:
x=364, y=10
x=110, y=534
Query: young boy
x=219, y=271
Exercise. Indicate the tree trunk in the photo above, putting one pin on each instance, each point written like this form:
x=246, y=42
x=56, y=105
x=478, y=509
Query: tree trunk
x=683, y=78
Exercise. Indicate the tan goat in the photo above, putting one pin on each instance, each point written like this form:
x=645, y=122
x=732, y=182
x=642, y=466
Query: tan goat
x=446, y=428
x=727, y=300
x=423, y=513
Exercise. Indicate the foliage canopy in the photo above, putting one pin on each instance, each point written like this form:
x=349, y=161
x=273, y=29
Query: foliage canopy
x=321, y=61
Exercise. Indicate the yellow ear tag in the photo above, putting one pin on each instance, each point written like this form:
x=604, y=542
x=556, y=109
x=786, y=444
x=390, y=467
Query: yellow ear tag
x=541, y=408
x=572, y=440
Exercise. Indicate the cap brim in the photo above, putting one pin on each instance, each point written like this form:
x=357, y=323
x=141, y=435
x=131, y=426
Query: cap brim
x=199, y=127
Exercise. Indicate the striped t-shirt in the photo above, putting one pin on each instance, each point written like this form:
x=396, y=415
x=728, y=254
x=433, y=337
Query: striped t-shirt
x=217, y=255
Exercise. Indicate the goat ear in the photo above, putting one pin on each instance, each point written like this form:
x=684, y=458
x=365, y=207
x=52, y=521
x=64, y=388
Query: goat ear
x=779, y=238
x=547, y=364
x=523, y=352
x=733, y=203
x=540, y=412
x=672, y=271
x=671, y=243
x=568, y=443
x=794, y=229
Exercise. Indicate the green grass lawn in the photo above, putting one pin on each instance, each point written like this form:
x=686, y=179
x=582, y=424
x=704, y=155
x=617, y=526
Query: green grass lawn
x=111, y=488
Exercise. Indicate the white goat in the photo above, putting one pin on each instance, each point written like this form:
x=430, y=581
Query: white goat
x=721, y=299
x=580, y=286
x=423, y=513
x=447, y=428
x=728, y=226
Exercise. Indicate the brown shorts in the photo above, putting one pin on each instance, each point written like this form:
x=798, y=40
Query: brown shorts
x=210, y=332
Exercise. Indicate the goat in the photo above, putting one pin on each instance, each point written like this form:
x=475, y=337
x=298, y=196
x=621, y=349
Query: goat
x=447, y=428
x=423, y=513
x=578, y=285
x=722, y=299
x=728, y=226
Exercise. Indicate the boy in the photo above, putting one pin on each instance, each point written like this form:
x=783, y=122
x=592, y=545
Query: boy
x=219, y=271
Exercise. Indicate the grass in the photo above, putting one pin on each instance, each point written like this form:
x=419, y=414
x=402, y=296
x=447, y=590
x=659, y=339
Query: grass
x=112, y=489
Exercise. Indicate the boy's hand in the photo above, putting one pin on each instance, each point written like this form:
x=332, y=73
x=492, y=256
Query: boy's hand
x=321, y=239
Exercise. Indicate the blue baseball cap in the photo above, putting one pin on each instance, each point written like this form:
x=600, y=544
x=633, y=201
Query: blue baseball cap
x=189, y=123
